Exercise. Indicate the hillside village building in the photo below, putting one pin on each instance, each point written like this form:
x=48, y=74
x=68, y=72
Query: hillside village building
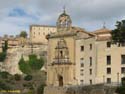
x=78, y=57
x=38, y=33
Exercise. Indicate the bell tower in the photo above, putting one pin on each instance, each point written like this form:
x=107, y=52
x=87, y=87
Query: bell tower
x=64, y=22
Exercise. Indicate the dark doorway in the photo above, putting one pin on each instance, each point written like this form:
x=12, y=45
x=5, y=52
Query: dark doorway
x=123, y=80
x=60, y=78
x=61, y=54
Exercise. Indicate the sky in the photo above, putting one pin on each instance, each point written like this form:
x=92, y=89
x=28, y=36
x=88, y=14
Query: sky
x=18, y=15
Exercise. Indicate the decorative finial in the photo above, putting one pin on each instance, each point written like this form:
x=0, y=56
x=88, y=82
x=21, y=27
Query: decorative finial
x=104, y=25
x=64, y=9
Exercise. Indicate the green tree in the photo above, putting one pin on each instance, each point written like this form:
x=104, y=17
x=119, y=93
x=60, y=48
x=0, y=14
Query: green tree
x=2, y=56
x=4, y=51
x=4, y=75
x=23, y=34
x=5, y=47
x=32, y=65
x=118, y=34
x=28, y=77
x=35, y=63
x=24, y=66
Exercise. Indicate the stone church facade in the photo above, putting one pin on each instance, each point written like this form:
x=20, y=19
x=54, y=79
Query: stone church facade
x=61, y=52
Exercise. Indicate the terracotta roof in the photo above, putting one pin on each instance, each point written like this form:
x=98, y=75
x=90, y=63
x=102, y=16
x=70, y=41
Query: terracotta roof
x=102, y=31
x=78, y=29
x=103, y=38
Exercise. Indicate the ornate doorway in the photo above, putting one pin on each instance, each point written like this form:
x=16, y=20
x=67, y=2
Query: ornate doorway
x=60, y=79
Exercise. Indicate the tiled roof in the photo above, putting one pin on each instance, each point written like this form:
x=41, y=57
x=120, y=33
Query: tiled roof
x=102, y=31
x=78, y=29
x=103, y=38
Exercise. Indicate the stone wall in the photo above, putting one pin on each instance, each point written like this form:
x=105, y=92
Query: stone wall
x=95, y=89
x=14, y=55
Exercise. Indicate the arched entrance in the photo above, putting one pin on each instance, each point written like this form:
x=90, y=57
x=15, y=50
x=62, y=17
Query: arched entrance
x=60, y=79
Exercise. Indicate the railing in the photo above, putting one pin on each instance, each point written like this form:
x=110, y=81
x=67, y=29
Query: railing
x=62, y=62
x=113, y=84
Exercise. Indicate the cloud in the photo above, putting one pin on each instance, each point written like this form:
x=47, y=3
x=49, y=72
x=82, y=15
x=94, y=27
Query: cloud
x=89, y=14
x=17, y=12
x=10, y=28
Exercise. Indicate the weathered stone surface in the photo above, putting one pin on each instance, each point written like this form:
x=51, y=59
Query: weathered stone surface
x=95, y=89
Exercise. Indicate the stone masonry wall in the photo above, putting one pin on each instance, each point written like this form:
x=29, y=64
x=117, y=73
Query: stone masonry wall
x=95, y=89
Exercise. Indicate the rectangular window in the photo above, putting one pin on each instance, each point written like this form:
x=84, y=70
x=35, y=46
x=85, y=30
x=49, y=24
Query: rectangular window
x=81, y=81
x=108, y=60
x=108, y=70
x=122, y=59
x=90, y=82
x=108, y=44
x=90, y=71
x=82, y=65
x=81, y=62
x=82, y=48
x=90, y=61
x=123, y=70
x=81, y=72
x=90, y=46
x=108, y=80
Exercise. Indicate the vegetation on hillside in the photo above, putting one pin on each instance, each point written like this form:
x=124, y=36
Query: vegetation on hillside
x=4, y=75
x=26, y=84
x=3, y=80
x=28, y=77
x=32, y=69
x=121, y=89
x=24, y=66
x=118, y=34
x=32, y=65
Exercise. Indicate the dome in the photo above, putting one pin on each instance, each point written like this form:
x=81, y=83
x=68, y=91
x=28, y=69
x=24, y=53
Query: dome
x=64, y=22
